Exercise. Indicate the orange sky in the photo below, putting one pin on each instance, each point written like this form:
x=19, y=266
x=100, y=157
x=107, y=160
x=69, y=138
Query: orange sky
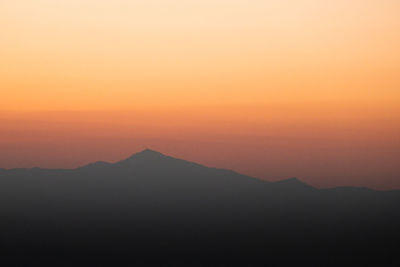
x=274, y=89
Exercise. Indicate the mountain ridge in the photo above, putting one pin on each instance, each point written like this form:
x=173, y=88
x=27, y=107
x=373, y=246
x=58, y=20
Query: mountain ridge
x=149, y=156
x=153, y=204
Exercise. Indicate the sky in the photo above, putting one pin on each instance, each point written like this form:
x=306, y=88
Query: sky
x=273, y=88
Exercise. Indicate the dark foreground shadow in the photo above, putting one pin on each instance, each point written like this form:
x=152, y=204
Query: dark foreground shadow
x=154, y=210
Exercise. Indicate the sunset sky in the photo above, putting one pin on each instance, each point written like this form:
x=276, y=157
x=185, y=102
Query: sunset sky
x=269, y=88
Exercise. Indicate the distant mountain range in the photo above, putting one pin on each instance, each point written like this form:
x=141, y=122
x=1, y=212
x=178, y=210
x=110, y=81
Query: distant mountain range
x=152, y=209
x=150, y=162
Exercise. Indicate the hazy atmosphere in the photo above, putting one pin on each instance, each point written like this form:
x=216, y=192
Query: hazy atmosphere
x=273, y=89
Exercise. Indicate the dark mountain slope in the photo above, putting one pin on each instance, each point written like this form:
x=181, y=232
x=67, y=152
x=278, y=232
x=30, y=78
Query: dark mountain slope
x=158, y=210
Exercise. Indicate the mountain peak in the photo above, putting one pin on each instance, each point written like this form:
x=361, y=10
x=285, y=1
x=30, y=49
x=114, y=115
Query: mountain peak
x=147, y=153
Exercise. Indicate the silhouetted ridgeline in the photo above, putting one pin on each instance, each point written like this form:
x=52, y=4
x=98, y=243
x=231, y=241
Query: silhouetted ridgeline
x=151, y=209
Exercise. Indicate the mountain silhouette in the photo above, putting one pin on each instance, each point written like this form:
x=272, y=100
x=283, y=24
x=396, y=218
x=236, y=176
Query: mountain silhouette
x=293, y=184
x=153, y=209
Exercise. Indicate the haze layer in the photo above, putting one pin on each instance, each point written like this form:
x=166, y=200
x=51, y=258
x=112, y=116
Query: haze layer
x=272, y=88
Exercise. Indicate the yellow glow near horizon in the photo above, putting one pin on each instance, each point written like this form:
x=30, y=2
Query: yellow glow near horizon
x=118, y=54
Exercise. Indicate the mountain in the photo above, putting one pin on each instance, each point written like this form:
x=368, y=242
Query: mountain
x=293, y=184
x=153, y=209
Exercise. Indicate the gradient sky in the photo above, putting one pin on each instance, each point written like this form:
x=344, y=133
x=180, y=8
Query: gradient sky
x=273, y=88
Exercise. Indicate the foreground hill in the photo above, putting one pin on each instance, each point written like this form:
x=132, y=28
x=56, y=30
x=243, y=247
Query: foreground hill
x=152, y=209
